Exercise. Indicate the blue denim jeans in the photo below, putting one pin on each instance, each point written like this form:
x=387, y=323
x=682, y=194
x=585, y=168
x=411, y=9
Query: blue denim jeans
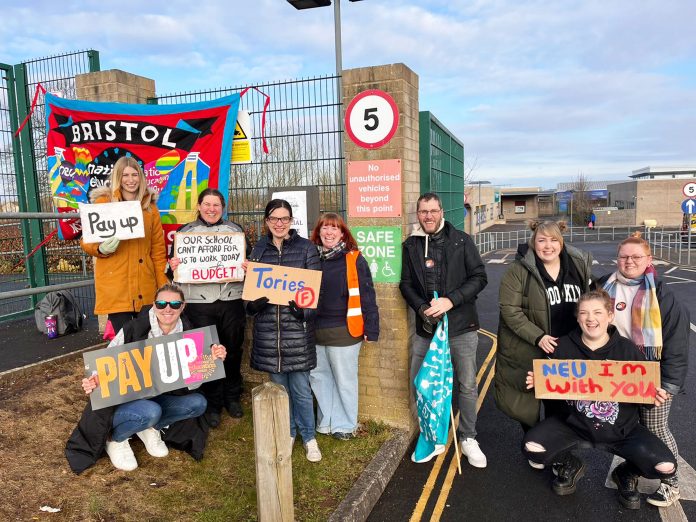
x=157, y=412
x=335, y=385
x=301, y=402
x=463, y=349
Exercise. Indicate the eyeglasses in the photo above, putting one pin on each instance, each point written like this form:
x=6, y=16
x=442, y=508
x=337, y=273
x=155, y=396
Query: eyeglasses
x=635, y=259
x=284, y=220
x=174, y=305
x=431, y=212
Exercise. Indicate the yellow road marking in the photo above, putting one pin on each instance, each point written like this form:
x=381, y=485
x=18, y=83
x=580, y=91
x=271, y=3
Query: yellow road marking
x=417, y=514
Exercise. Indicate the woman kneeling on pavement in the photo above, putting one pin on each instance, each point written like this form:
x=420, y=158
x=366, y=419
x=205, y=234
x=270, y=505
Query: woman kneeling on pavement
x=218, y=304
x=608, y=425
x=347, y=315
x=177, y=412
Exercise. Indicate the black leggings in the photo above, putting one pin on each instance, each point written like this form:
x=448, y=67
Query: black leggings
x=640, y=448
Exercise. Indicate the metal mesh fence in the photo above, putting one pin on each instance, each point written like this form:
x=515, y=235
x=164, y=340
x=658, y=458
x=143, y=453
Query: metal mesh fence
x=303, y=133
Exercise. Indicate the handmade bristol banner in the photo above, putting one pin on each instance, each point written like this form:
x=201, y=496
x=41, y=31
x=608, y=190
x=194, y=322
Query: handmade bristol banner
x=123, y=219
x=209, y=257
x=182, y=148
x=282, y=284
x=579, y=379
x=154, y=366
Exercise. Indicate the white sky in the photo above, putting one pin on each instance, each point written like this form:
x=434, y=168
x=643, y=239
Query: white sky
x=537, y=90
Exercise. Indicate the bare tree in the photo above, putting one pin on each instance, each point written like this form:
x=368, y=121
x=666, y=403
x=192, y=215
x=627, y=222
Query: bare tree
x=581, y=203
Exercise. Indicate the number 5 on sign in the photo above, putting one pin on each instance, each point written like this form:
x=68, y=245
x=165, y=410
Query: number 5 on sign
x=372, y=118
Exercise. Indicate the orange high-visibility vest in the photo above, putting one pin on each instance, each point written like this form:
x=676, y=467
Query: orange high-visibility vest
x=356, y=327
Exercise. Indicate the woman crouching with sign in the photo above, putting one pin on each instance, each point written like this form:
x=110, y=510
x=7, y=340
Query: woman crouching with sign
x=609, y=425
x=347, y=315
x=110, y=428
x=284, y=344
x=218, y=304
x=127, y=273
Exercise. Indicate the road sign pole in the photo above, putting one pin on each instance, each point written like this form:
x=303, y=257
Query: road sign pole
x=688, y=243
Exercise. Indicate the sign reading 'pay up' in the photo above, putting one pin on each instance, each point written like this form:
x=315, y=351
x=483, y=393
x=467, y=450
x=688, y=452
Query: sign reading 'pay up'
x=122, y=219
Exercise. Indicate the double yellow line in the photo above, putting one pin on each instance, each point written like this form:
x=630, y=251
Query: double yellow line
x=417, y=514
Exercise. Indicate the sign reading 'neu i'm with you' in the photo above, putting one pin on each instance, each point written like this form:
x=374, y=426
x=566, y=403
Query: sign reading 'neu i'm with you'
x=374, y=188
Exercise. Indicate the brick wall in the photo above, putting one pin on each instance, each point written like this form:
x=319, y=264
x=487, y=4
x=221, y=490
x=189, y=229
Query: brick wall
x=114, y=86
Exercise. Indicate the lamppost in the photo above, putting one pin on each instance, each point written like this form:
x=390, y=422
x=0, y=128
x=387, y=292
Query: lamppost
x=571, y=214
x=311, y=4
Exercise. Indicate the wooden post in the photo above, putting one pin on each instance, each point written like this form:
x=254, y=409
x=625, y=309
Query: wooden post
x=273, y=453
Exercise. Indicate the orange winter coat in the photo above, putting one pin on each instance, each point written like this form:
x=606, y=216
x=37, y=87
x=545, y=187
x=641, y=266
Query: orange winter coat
x=127, y=280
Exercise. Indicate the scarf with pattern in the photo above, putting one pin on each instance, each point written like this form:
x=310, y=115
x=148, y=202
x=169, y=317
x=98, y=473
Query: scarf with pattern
x=646, y=321
x=328, y=253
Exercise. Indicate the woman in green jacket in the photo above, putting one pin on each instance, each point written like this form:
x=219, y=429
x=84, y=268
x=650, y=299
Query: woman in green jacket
x=537, y=305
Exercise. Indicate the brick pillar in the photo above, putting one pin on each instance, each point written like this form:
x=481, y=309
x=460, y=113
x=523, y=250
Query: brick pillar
x=384, y=366
x=114, y=86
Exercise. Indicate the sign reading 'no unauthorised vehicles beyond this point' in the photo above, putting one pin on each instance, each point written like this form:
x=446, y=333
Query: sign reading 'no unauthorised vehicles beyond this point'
x=282, y=284
x=592, y=380
x=209, y=257
x=374, y=188
x=152, y=367
x=122, y=219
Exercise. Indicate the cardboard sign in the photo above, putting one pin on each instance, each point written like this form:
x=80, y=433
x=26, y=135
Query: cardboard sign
x=209, y=257
x=282, y=284
x=154, y=366
x=122, y=219
x=579, y=379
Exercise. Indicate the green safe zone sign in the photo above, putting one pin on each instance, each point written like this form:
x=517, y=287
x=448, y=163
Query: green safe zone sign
x=381, y=247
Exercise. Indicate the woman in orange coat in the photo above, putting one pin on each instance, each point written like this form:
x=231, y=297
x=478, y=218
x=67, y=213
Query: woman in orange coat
x=128, y=273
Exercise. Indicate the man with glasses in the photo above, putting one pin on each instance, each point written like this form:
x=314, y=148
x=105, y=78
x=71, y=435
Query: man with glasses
x=439, y=258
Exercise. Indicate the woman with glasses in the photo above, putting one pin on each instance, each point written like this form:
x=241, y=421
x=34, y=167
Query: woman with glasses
x=138, y=265
x=218, y=304
x=109, y=429
x=537, y=306
x=284, y=342
x=646, y=312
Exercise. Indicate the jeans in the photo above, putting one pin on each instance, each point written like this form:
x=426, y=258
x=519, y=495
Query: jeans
x=639, y=447
x=463, y=349
x=335, y=385
x=301, y=402
x=157, y=412
x=230, y=318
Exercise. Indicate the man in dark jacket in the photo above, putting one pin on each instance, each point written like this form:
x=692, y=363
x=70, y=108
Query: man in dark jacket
x=439, y=258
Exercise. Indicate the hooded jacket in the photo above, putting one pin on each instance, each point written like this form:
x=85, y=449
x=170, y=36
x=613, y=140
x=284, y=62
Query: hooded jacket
x=281, y=342
x=463, y=277
x=87, y=442
x=524, y=318
x=211, y=292
x=676, y=326
x=127, y=280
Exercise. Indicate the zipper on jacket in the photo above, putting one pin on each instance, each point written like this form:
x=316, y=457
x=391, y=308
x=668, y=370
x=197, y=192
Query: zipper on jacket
x=278, y=312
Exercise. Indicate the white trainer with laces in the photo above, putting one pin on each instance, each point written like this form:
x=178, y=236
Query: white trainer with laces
x=313, y=453
x=153, y=442
x=471, y=450
x=121, y=455
x=665, y=495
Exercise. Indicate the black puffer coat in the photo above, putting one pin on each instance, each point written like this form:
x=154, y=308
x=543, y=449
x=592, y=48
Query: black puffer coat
x=281, y=342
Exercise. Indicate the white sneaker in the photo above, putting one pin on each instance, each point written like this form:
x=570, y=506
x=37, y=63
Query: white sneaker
x=313, y=453
x=153, y=442
x=121, y=455
x=471, y=450
x=439, y=448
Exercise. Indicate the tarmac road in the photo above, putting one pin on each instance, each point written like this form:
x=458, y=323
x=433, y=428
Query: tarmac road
x=508, y=489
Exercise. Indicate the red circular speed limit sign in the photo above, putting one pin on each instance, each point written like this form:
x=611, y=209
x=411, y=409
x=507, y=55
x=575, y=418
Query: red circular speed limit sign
x=689, y=190
x=371, y=119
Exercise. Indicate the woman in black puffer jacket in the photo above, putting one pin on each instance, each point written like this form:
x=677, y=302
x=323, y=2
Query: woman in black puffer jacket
x=284, y=342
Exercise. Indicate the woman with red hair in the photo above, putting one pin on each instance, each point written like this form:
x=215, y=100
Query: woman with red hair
x=347, y=315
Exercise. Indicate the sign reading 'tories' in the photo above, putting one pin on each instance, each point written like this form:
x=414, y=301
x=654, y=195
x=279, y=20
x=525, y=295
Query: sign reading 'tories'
x=381, y=247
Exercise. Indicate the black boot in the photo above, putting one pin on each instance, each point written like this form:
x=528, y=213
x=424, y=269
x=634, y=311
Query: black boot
x=572, y=470
x=627, y=483
x=234, y=408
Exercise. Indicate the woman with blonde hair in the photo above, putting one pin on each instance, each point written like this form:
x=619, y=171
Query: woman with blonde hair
x=537, y=306
x=646, y=312
x=128, y=273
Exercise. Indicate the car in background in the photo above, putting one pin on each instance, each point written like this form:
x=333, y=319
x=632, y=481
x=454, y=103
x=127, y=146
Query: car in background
x=685, y=229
